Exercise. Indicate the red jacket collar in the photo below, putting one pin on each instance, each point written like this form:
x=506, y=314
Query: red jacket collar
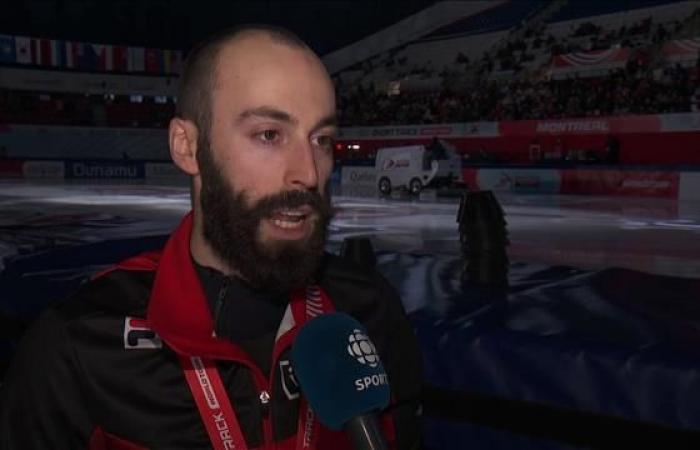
x=178, y=310
x=179, y=313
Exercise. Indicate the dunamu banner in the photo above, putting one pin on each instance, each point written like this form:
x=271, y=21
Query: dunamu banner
x=105, y=170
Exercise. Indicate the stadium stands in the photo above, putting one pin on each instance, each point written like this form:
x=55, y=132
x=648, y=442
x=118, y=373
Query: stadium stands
x=621, y=64
x=577, y=9
x=502, y=17
x=519, y=60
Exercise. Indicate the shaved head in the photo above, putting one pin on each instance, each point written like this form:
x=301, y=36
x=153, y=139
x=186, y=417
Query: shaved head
x=199, y=74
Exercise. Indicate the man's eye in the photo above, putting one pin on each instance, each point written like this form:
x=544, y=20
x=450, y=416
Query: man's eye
x=269, y=135
x=325, y=142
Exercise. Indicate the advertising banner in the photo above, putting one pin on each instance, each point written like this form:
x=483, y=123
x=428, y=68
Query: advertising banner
x=522, y=181
x=43, y=169
x=104, y=170
x=469, y=177
x=588, y=126
x=10, y=169
x=689, y=189
x=584, y=126
x=618, y=182
x=166, y=173
x=682, y=122
x=469, y=129
x=358, y=176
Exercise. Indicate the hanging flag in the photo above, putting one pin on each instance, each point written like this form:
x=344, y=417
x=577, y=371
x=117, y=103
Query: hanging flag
x=167, y=66
x=45, y=52
x=23, y=50
x=100, y=56
x=85, y=57
x=136, y=60
x=8, y=51
x=78, y=52
x=58, y=54
x=70, y=57
x=89, y=58
x=35, y=51
x=154, y=60
x=105, y=58
x=176, y=61
x=119, y=62
x=109, y=57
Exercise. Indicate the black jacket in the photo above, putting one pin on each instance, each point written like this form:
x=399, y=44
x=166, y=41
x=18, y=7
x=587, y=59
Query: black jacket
x=101, y=369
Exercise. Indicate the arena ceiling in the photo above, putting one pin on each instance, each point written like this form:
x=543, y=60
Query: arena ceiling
x=177, y=24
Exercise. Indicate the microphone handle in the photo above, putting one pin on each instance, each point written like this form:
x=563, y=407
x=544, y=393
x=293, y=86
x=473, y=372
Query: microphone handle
x=364, y=433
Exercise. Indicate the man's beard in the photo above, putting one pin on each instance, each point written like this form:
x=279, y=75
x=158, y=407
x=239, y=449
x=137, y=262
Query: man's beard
x=232, y=226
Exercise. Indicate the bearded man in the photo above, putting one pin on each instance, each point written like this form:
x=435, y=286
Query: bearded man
x=120, y=364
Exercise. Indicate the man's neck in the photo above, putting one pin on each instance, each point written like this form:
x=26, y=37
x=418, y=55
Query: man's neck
x=204, y=255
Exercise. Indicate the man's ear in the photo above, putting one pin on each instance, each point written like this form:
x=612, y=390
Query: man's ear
x=182, y=137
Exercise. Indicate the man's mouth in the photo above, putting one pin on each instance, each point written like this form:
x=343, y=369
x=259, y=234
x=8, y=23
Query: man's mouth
x=291, y=218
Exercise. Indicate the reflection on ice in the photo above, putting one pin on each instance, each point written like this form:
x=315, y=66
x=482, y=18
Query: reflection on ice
x=653, y=235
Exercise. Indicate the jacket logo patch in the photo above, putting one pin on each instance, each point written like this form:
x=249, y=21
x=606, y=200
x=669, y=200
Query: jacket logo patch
x=137, y=335
x=290, y=385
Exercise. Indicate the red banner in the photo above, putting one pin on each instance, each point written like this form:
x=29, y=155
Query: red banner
x=589, y=125
x=682, y=50
x=469, y=177
x=623, y=183
x=591, y=59
x=11, y=169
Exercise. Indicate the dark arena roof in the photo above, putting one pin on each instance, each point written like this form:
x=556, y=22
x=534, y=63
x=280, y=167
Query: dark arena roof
x=176, y=24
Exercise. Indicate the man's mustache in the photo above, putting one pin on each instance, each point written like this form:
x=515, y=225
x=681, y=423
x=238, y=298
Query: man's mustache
x=272, y=204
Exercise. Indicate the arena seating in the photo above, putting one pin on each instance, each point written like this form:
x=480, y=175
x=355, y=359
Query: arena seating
x=502, y=17
x=495, y=65
x=576, y=10
x=513, y=79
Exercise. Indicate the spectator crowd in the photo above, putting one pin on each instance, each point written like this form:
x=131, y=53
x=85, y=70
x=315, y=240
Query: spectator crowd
x=644, y=86
x=633, y=90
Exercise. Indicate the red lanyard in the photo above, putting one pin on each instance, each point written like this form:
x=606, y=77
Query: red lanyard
x=213, y=403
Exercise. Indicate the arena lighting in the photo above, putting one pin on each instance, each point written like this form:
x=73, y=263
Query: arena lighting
x=483, y=237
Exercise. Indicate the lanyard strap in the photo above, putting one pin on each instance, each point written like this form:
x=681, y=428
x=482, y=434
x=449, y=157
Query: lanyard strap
x=214, y=405
x=307, y=430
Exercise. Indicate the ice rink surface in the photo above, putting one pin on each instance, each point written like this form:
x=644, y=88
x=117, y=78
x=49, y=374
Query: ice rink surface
x=572, y=309
x=660, y=236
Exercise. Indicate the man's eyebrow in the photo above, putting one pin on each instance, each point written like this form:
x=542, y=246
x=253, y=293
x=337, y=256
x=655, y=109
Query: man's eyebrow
x=269, y=112
x=328, y=121
x=266, y=112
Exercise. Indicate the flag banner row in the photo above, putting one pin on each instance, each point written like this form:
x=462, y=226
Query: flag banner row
x=58, y=54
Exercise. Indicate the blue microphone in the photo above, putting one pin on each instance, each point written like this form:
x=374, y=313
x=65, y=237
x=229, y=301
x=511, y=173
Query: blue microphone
x=340, y=374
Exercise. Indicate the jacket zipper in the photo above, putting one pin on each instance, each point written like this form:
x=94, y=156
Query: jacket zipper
x=220, y=303
x=262, y=384
x=264, y=398
x=267, y=421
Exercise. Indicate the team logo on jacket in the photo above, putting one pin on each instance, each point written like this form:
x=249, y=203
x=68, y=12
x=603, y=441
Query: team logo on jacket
x=137, y=335
x=290, y=385
x=362, y=349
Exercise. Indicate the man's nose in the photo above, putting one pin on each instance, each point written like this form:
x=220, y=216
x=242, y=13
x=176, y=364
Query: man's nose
x=302, y=167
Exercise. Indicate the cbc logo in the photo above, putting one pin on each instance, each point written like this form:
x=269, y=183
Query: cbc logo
x=362, y=349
